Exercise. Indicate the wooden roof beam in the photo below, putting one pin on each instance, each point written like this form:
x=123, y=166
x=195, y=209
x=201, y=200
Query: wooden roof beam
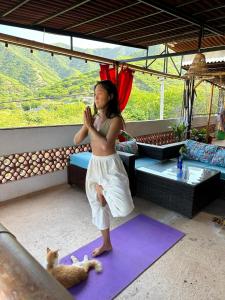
x=140, y=18
x=61, y=12
x=102, y=15
x=124, y=23
x=156, y=33
x=168, y=38
x=141, y=28
x=76, y=54
x=175, y=12
x=14, y=8
x=208, y=10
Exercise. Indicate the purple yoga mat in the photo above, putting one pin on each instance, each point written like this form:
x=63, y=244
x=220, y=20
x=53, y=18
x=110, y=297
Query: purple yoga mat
x=137, y=244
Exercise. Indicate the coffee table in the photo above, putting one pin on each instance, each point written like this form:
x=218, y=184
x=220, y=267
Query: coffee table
x=186, y=191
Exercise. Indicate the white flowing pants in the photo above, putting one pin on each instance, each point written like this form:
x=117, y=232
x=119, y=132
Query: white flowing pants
x=109, y=172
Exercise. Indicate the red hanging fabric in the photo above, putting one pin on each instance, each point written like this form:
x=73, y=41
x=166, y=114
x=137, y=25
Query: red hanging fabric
x=125, y=80
x=107, y=73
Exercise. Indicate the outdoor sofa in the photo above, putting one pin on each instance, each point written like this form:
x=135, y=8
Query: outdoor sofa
x=146, y=180
x=78, y=163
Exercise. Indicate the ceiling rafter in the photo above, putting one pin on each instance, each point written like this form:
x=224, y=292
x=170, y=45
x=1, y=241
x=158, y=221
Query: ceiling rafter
x=208, y=10
x=168, y=39
x=186, y=3
x=14, y=8
x=103, y=15
x=175, y=12
x=140, y=18
x=141, y=28
x=124, y=23
x=62, y=12
x=215, y=19
x=156, y=33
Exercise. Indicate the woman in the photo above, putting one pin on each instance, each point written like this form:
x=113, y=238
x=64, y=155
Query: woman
x=107, y=184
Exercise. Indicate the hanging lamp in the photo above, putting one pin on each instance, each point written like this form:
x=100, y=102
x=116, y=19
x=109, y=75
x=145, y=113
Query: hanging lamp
x=198, y=67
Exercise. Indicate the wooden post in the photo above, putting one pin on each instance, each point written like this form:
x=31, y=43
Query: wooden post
x=210, y=111
x=189, y=102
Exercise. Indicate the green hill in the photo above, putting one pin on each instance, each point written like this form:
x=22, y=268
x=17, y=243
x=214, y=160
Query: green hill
x=38, y=89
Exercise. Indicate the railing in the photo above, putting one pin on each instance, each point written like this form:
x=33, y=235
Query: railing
x=22, y=277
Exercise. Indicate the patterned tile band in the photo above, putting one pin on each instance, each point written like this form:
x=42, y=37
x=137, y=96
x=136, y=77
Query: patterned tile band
x=19, y=166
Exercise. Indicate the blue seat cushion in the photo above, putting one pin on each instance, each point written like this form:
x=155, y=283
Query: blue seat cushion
x=145, y=162
x=80, y=159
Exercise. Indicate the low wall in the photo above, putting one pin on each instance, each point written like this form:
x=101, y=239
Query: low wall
x=24, y=140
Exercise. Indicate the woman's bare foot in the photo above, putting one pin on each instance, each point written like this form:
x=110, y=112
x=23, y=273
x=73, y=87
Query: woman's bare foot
x=100, y=196
x=104, y=248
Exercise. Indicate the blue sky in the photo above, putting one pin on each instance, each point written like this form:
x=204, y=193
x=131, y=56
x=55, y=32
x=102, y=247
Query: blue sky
x=51, y=38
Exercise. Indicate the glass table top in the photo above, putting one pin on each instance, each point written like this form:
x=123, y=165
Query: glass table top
x=189, y=174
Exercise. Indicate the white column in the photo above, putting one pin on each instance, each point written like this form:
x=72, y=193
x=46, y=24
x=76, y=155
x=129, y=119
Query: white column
x=161, y=98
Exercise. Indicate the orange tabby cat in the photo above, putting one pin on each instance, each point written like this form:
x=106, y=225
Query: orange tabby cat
x=70, y=275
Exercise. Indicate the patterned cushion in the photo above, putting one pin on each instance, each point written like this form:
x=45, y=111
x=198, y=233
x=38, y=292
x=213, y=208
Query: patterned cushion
x=129, y=147
x=219, y=158
x=200, y=151
x=124, y=136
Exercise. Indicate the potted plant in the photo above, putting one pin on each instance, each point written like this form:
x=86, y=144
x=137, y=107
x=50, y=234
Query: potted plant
x=179, y=131
x=200, y=135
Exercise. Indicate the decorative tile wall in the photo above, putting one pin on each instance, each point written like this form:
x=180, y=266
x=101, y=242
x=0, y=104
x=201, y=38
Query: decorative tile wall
x=23, y=165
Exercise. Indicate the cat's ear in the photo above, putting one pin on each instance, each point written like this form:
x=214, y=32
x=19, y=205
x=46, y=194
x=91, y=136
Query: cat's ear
x=48, y=250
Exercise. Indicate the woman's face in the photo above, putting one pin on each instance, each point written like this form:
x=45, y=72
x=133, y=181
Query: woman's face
x=101, y=97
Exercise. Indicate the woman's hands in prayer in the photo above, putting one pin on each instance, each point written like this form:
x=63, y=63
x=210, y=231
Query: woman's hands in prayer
x=88, y=118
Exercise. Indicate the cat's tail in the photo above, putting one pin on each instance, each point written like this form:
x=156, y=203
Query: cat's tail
x=93, y=263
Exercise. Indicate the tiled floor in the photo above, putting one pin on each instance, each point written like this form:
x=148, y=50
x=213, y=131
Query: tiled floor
x=60, y=218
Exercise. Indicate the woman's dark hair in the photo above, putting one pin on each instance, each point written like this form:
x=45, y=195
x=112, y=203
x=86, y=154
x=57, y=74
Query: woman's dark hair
x=112, y=109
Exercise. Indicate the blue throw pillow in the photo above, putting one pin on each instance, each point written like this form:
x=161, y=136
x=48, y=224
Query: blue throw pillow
x=219, y=157
x=200, y=151
x=129, y=147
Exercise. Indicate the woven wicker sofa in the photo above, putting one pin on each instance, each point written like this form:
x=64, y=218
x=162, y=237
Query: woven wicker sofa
x=143, y=184
x=209, y=163
x=77, y=164
x=172, y=150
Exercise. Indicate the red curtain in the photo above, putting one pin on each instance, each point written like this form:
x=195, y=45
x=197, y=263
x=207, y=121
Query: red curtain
x=107, y=74
x=125, y=80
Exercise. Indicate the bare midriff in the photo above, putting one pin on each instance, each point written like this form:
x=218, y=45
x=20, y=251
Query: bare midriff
x=96, y=146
